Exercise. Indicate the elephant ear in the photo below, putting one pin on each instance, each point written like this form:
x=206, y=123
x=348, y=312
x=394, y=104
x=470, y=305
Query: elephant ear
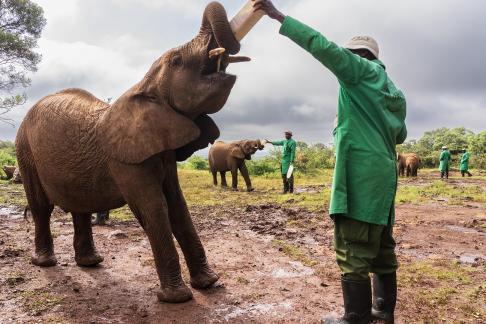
x=137, y=127
x=209, y=134
x=237, y=152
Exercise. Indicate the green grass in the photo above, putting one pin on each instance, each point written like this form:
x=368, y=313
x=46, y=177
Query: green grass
x=12, y=194
x=294, y=252
x=199, y=190
x=436, y=286
x=36, y=301
x=441, y=191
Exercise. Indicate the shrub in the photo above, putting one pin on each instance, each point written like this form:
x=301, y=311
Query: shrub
x=197, y=163
x=262, y=166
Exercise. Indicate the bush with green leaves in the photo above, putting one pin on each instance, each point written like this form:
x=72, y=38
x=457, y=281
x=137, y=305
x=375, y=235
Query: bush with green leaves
x=456, y=139
x=197, y=162
x=262, y=166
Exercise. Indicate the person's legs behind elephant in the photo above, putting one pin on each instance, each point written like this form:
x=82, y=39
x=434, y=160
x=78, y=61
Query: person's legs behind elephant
x=285, y=184
x=101, y=218
x=291, y=183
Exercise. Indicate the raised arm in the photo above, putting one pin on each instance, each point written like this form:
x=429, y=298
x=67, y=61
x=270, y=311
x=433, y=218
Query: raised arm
x=277, y=143
x=345, y=65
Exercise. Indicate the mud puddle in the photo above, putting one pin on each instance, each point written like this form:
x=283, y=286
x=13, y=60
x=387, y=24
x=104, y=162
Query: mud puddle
x=11, y=212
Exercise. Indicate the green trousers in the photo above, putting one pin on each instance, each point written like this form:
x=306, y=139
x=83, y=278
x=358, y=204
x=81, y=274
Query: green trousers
x=363, y=248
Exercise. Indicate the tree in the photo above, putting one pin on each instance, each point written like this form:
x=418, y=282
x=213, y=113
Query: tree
x=21, y=24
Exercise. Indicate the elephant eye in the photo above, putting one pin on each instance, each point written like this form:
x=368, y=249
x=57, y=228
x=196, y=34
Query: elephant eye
x=176, y=60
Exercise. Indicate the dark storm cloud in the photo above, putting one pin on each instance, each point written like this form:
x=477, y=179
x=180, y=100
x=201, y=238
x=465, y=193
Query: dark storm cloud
x=434, y=51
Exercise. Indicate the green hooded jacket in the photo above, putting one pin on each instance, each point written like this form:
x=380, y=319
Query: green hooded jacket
x=464, y=162
x=288, y=153
x=370, y=123
x=444, y=159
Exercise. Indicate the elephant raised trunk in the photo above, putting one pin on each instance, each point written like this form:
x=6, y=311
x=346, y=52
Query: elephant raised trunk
x=215, y=21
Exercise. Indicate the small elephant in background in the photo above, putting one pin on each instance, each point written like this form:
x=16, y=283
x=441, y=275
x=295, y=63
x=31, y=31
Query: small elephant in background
x=225, y=157
x=408, y=164
x=412, y=164
x=9, y=171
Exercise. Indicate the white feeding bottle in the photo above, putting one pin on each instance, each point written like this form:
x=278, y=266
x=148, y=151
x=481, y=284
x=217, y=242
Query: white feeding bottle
x=244, y=20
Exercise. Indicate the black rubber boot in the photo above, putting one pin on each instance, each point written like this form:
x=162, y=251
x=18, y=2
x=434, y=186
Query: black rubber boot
x=285, y=184
x=384, y=297
x=291, y=184
x=357, y=303
x=101, y=218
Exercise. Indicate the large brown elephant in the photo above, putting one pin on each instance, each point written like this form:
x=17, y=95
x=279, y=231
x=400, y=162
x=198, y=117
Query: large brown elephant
x=408, y=164
x=224, y=157
x=81, y=154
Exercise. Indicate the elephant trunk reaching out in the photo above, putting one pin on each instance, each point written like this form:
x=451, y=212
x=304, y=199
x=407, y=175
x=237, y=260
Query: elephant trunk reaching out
x=85, y=156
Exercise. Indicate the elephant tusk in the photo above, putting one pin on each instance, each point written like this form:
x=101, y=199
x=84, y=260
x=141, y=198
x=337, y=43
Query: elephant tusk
x=217, y=52
x=238, y=59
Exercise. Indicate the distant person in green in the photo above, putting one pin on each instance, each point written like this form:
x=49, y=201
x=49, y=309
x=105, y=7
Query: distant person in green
x=288, y=157
x=464, y=167
x=444, y=160
x=370, y=123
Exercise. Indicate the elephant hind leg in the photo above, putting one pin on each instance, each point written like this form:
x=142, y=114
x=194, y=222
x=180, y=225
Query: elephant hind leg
x=41, y=210
x=215, y=177
x=84, y=248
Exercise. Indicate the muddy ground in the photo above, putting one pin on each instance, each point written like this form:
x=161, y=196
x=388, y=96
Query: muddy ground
x=276, y=266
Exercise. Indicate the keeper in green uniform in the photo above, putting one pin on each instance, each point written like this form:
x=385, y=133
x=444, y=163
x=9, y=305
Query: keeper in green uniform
x=288, y=158
x=444, y=159
x=464, y=167
x=371, y=122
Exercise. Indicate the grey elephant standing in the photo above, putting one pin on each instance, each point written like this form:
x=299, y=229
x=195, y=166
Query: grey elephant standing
x=224, y=157
x=85, y=156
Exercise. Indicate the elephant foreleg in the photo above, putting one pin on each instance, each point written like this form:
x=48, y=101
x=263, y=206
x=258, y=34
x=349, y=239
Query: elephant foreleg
x=223, y=179
x=234, y=178
x=142, y=188
x=84, y=248
x=246, y=176
x=202, y=276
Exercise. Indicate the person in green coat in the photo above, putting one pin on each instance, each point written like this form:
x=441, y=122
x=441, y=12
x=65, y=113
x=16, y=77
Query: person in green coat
x=288, y=157
x=444, y=159
x=370, y=123
x=464, y=167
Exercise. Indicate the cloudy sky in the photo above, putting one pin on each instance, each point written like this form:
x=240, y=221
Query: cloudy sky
x=434, y=50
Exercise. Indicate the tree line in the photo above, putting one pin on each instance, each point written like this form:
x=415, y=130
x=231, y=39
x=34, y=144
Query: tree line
x=313, y=157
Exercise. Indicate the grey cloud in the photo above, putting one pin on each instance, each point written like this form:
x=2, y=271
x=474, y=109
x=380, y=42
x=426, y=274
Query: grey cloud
x=434, y=51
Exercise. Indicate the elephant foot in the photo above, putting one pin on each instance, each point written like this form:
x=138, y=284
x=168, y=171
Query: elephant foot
x=250, y=189
x=204, y=279
x=89, y=260
x=44, y=259
x=175, y=295
x=235, y=189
